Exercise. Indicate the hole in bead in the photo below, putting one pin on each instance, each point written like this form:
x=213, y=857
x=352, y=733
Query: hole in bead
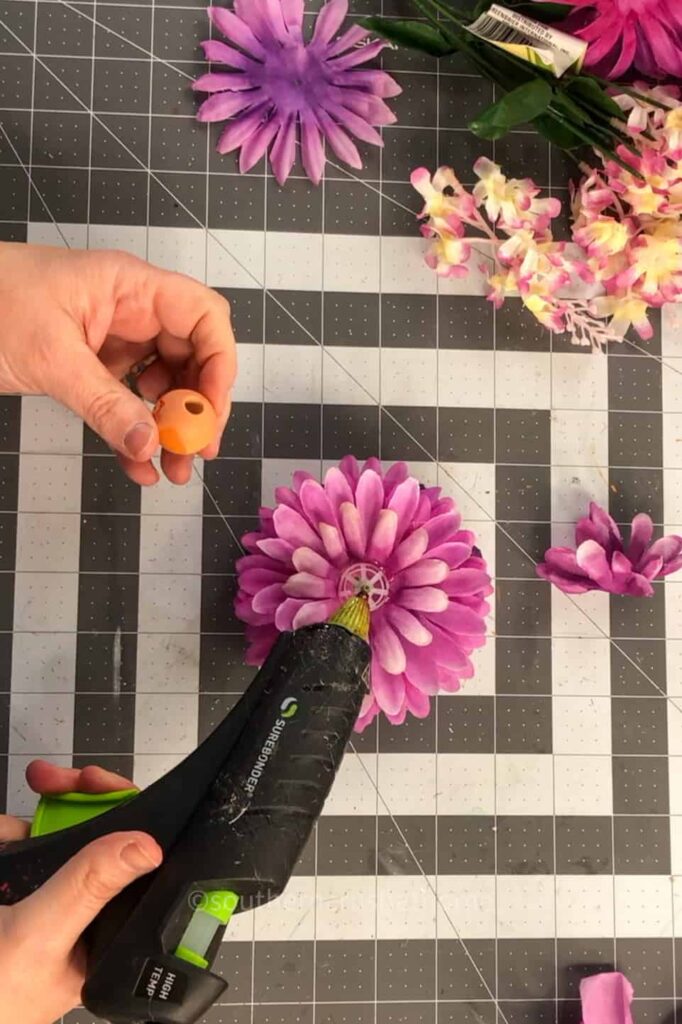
x=365, y=580
x=196, y=408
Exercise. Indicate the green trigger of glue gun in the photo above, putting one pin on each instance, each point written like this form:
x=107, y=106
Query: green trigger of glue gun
x=232, y=820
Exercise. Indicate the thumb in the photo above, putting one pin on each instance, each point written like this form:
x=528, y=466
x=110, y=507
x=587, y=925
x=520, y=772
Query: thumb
x=71, y=899
x=84, y=384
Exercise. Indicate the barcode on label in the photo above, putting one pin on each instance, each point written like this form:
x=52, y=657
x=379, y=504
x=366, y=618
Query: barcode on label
x=529, y=39
x=499, y=32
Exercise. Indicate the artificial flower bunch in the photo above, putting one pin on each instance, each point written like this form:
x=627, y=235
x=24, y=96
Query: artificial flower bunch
x=627, y=230
x=521, y=258
x=627, y=215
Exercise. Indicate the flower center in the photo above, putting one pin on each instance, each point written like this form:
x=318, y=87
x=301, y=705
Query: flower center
x=365, y=580
x=293, y=77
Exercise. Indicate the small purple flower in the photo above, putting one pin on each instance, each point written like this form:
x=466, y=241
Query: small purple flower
x=378, y=533
x=280, y=84
x=603, y=562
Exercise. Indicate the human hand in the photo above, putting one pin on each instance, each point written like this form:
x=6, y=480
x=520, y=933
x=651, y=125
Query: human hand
x=76, y=323
x=42, y=960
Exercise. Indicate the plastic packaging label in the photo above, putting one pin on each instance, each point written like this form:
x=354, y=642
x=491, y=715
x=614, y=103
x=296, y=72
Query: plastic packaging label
x=530, y=40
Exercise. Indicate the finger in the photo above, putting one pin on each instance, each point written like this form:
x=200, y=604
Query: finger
x=155, y=381
x=211, y=451
x=71, y=899
x=94, y=779
x=187, y=309
x=50, y=779
x=119, y=355
x=13, y=828
x=80, y=381
x=144, y=474
x=178, y=468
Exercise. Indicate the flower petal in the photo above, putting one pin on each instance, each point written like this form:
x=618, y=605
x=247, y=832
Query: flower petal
x=652, y=569
x=421, y=671
x=591, y=558
x=316, y=504
x=563, y=560
x=218, y=52
x=387, y=646
x=216, y=81
x=307, y=560
x=283, y=152
x=267, y=600
x=356, y=124
x=306, y=585
x=222, y=105
x=353, y=529
x=388, y=688
x=404, y=501
x=453, y=553
x=449, y=681
x=606, y=999
x=382, y=541
x=292, y=527
x=369, y=497
x=423, y=599
x=339, y=140
x=292, y=11
x=337, y=487
x=641, y=532
x=256, y=146
x=408, y=625
x=334, y=544
x=424, y=573
x=237, y=31
x=241, y=129
x=410, y=550
x=459, y=620
x=286, y=613
x=465, y=581
x=329, y=21
x=417, y=701
x=442, y=528
x=361, y=55
x=315, y=611
x=275, y=547
x=252, y=581
x=350, y=467
x=312, y=149
x=346, y=41
x=567, y=584
x=667, y=548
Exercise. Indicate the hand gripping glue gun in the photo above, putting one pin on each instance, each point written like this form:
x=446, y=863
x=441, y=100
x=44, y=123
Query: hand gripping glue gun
x=232, y=820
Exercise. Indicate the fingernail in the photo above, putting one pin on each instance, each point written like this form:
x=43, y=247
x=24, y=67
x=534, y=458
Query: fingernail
x=136, y=857
x=137, y=439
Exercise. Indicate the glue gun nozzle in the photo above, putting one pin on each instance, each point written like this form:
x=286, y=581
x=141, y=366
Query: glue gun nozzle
x=354, y=615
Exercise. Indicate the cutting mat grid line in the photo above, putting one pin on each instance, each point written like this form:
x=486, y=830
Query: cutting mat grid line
x=544, y=805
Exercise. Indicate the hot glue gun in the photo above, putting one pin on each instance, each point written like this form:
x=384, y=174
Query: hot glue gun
x=232, y=820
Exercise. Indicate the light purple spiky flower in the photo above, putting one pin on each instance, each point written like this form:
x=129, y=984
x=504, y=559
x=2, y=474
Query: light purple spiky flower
x=281, y=85
x=380, y=533
x=602, y=561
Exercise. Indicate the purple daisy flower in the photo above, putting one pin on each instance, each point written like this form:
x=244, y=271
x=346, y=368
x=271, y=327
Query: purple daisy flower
x=603, y=562
x=279, y=82
x=385, y=536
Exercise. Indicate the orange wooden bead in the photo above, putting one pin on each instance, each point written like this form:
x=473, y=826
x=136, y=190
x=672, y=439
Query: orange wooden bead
x=186, y=420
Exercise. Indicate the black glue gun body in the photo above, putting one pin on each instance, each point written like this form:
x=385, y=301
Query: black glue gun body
x=232, y=819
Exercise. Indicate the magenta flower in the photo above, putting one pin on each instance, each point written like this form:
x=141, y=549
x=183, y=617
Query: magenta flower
x=280, y=83
x=385, y=536
x=603, y=562
x=622, y=34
